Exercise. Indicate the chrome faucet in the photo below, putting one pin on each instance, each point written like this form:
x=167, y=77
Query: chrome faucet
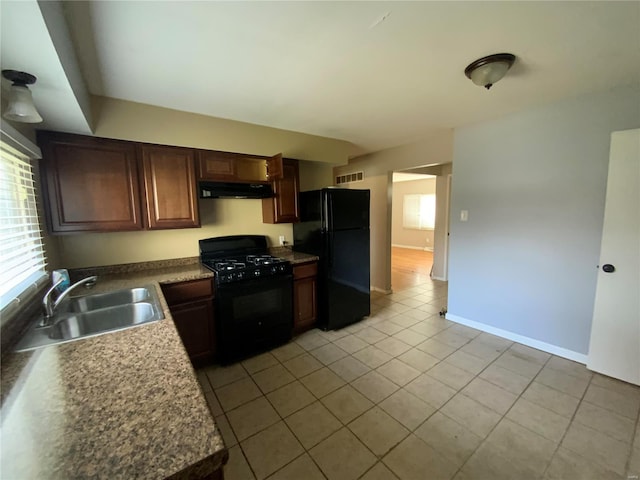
x=50, y=305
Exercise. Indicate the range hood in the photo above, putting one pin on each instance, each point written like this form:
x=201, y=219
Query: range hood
x=234, y=190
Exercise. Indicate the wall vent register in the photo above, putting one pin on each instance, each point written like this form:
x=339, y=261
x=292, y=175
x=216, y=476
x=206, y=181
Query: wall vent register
x=350, y=178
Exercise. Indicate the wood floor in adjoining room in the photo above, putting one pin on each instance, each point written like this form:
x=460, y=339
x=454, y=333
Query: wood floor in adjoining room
x=409, y=267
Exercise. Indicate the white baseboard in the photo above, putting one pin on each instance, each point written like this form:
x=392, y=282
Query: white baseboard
x=381, y=290
x=411, y=247
x=529, y=342
x=442, y=279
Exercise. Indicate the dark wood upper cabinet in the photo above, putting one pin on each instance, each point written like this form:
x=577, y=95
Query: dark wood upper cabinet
x=95, y=184
x=169, y=185
x=283, y=207
x=216, y=166
x=239, y=168
x=102, y=185
x=275, y=167
x=90, y=184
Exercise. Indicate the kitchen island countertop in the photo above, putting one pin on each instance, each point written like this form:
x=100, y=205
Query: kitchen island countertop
x=121, y=405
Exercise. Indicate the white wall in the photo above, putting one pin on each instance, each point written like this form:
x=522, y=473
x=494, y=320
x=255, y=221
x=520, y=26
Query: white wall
x=441, y=239
x=534, y=185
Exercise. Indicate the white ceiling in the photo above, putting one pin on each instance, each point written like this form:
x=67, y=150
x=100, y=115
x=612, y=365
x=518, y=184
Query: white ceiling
x=335, y=69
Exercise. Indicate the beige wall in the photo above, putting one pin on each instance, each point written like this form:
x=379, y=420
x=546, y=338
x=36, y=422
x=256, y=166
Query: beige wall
x=436, y=149
x=410, y=237
x=146, y=123
x=379, y=216
x=219, y=217
x=315, y=175
x=137, y=122
x=380, y=236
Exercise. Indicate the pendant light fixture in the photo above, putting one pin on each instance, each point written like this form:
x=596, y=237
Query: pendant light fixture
x=488, y=70
x=21, y=107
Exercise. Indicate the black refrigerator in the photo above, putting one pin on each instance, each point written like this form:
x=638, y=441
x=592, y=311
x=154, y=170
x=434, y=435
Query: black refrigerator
x=334, y=225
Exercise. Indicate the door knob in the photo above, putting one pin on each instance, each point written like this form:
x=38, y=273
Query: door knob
x=608, y=268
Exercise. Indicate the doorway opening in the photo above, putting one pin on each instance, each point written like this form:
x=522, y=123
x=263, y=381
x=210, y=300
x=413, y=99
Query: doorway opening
x=419, y=226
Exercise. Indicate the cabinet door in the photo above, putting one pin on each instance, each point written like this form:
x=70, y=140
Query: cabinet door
x=216, y=166
x=90, y=184
x=283, y=207
x=304, y=303
x=252, y=170
x=275, y=167
x=233, y=167
x=195, y=324
x=170, y=187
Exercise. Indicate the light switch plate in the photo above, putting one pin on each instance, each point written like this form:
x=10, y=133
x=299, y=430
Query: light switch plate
x=464, y=215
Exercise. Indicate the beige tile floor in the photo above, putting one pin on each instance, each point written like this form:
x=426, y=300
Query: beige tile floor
x=405, y=394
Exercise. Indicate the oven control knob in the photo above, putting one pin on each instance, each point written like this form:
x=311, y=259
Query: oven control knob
x=240, y=275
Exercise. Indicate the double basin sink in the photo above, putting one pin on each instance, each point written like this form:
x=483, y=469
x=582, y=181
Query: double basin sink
x=91, y=315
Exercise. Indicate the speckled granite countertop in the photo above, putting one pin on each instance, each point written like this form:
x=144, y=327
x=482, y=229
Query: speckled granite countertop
x=293, y=257
x=121, y=405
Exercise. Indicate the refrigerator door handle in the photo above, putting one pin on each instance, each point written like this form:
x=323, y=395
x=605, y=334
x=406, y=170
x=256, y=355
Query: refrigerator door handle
x=328, y=212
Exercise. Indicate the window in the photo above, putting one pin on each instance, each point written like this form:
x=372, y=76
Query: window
x=419, y=212
x=22, y=258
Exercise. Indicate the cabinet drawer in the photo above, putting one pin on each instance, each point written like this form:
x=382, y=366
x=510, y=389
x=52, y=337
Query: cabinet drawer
x=182, y=292
x=305, y=270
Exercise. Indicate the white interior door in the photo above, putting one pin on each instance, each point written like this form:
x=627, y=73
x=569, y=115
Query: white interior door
x=614, y=348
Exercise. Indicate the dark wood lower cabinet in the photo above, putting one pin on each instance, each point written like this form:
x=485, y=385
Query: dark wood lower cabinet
x=194, y=321
x=191, y=305
x=305, y=311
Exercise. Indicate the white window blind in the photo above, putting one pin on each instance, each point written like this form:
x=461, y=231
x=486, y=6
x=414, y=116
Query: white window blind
x=419, y=212
x=22, y=258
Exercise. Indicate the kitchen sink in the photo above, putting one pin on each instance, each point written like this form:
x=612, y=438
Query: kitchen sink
x=88, y=303
x=90, y=315
x=106, y=319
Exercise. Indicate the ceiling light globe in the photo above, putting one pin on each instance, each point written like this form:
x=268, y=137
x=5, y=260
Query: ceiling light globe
x=21, y=107
x=488, y=70
x=489, y=74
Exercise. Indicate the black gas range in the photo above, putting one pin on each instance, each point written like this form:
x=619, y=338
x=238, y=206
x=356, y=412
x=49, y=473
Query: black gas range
x=254, y=295
x=239, y=268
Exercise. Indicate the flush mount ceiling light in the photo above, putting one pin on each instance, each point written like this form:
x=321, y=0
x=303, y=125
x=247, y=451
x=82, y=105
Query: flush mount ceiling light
x=488, y=70
x=21, y=107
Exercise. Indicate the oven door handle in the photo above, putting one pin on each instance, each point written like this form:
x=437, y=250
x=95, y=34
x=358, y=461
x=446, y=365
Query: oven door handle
x=270, y=281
